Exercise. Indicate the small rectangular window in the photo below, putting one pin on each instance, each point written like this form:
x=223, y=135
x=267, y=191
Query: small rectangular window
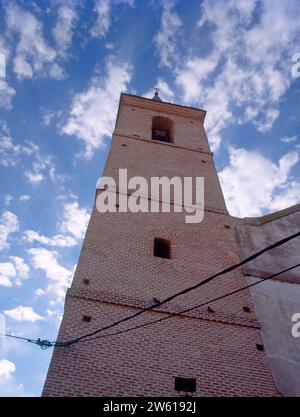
x=185, y=384
x=162, y=248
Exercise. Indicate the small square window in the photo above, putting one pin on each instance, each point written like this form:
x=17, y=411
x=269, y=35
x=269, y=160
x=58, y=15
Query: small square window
x=259, y=347
x=162, y=248
x=86, y=318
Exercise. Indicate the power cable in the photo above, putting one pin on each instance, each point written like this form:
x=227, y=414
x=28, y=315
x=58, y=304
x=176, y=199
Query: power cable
x=171, y=315
x=185, y=291
x=44, y=344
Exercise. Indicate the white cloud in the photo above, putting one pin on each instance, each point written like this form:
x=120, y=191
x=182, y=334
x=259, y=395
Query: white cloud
x=75, y=220
x=289, y=139
x=245, y=71
x=48, y=116
x=103, y=10
x=21, y=313
x=39, y=292
x=11, y=154
x=7, y=368
x=245, y=192
x=13, y=272
x=22, y=269
x=31, y=236
x=193, y=74
x=265, y=123
x=34, y=178
x=60, y=277
x=102, y=24
x=73, y=225
x=24, y=197
x=7, y=272
x=109, y=46
x=33, y=55
x=57, y=72
x=6, y=95
x=40, y=165
x=46, y=120
x=8, y=224
x=8, y=386
x=287, y=197
x=7, y=199
x=93, y=111
x=64, y=27
x=167, y=37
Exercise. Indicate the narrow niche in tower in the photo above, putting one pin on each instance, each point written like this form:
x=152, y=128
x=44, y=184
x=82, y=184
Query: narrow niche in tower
x=162, y=129
x=162, y=248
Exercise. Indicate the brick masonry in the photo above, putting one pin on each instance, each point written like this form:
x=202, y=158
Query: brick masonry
x=217, y=348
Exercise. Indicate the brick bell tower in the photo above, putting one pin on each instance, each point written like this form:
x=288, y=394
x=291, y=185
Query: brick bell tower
x=130, y=259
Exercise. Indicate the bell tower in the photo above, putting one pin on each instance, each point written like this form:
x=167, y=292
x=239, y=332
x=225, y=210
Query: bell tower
x=130, y=260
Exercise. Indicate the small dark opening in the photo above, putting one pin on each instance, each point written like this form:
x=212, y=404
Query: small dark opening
x=260, y=347
x=86, y=281
x=162, y=248
x=185, y=384
x=246, y=309
x=161, y=134
x=86, y=318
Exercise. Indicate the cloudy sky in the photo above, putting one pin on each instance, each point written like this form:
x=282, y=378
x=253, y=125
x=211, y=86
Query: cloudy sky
x=66, y=64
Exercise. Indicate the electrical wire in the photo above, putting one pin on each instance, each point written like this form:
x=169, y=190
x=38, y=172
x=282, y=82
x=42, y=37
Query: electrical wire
x=172, y=315
x=184, y=291
x=45, y=344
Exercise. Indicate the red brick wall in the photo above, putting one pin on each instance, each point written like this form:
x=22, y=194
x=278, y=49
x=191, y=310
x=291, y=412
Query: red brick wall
x=219, y=349
x=223, y=358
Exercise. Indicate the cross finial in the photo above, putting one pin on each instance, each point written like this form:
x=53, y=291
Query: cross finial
x=156, y=94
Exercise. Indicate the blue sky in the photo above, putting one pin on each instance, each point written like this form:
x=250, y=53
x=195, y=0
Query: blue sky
x=66, y=64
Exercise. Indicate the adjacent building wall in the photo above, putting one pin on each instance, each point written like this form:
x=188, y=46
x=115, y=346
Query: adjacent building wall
x=276, y=300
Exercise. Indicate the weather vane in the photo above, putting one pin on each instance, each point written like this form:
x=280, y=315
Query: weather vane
x=156, y=94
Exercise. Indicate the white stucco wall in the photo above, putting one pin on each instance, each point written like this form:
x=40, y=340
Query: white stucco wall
x=275, y=303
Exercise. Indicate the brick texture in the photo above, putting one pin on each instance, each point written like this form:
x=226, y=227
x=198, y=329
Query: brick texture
x=217, y=348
